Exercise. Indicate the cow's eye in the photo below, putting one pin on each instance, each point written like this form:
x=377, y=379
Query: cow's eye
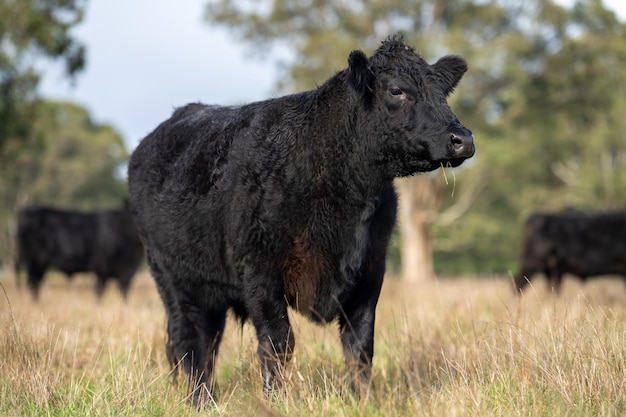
x=395, y=91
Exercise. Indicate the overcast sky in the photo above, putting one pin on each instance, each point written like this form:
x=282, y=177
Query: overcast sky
x=145, y=57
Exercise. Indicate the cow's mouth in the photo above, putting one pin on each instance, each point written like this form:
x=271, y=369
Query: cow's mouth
x=451, y=163
x=463, y=148
x=411, y=164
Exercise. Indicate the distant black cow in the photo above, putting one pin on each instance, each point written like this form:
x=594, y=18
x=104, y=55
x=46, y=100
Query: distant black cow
x=105, y=243
x=581, y=244
x=289, y=202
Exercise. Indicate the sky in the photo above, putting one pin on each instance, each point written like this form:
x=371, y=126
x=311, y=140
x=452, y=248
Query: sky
x=147, y=57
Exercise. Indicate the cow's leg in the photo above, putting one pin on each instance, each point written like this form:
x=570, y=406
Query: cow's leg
x=194, y=337
x=187, y=346
x=356, y=324
x=357, y=340
x=35, y=276
x=554, y=274
x=276, y=343
x=268, y=313
x=123, y=283
x=190, y=331
x=523, y=278
x=215, y=323
x=101, y=282
x=555, y=279
x=558, y=281
x=170, y=353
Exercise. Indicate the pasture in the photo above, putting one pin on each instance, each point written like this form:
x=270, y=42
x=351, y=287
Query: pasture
x=454, y=347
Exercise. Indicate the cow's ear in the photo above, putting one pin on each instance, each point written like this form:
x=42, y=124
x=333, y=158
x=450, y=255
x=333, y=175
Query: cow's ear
x=450, y=69
x=361, y=75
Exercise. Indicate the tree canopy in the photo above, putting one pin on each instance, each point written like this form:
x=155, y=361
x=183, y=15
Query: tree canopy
x=68, y=161
x=544, y=96
x=50, y=153
x=31, y=30
x=72, y=161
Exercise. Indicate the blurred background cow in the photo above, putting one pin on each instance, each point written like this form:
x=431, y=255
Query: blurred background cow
x=103, y=242
x=572, y=242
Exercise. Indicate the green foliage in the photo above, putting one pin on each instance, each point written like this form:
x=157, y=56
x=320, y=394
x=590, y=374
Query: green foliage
x=30, y=30
x=50, y=153
x=319, y=33
x=75, y=162
x=556, y=141
x=68, y=161
x=545, y=97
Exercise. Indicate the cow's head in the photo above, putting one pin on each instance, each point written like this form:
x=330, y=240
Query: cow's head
x=408, y=111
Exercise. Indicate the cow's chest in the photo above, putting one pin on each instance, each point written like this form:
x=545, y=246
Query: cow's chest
x=319, y=271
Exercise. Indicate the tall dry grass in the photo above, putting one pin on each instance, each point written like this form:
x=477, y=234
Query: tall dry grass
x=463, y=347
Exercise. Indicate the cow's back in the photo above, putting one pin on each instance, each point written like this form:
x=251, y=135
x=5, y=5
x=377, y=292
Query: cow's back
x=579, y=243
x=590, y=243
x=187, y=149
x=196, y=169
x=52, y=238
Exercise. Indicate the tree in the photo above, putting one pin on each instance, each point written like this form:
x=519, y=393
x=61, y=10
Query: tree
x=71, y=161
x=543, y=96
x=77, y=163
x=29, y=30
x=554, y=134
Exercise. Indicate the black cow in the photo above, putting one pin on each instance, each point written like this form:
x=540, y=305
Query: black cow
x=105, y=243
x=289, y=202
x=581, y=244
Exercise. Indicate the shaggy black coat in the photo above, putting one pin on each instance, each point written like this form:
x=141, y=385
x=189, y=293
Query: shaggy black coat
x=103, y=242
x=572, y=242
x=289, y=202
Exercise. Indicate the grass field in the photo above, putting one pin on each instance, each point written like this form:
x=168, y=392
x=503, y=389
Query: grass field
x=463, y=347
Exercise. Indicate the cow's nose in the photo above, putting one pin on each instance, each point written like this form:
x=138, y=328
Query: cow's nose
x=463, y=145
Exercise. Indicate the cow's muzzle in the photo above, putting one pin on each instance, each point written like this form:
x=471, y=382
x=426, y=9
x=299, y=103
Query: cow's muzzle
x=463, y=145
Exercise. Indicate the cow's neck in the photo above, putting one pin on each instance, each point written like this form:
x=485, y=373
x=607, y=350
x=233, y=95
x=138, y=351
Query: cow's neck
x=339, y=152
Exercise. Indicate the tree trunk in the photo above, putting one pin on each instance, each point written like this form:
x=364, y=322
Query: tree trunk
x=416, y=248
x=418, y=200
x=420, y=203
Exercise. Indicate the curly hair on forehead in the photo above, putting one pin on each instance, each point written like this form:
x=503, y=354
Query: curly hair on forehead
x=395, y=55
x=393, y=44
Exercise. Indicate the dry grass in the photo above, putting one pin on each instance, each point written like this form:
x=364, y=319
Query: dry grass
x=449, y=348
